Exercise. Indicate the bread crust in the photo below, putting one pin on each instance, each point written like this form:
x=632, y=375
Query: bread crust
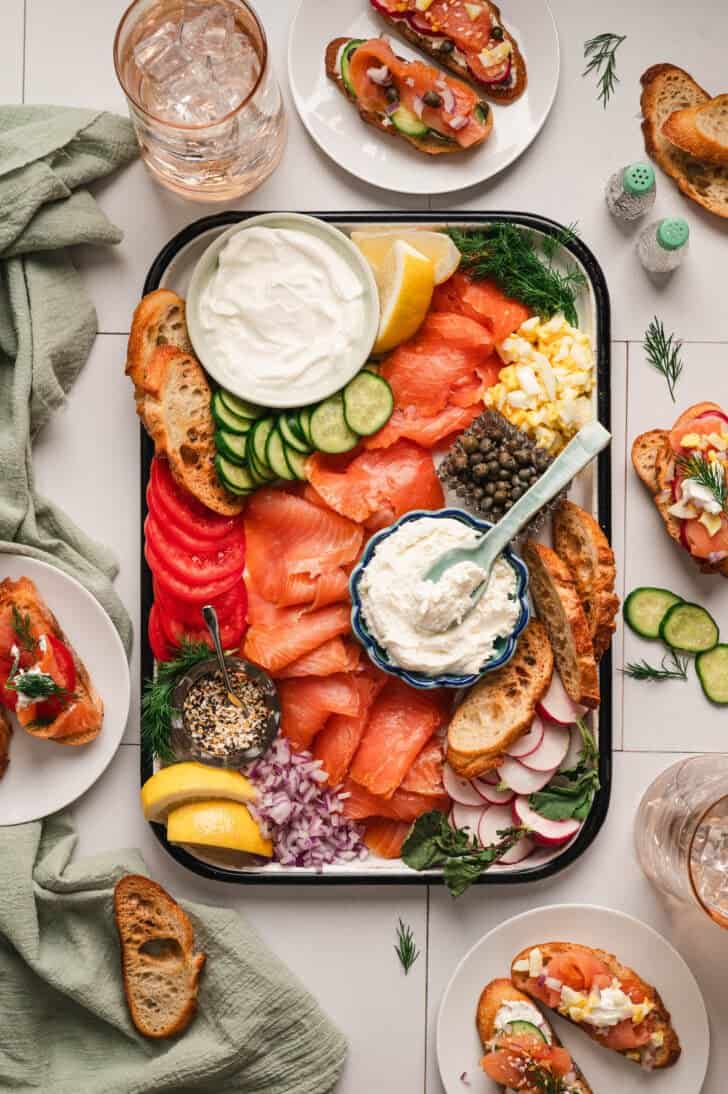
x=430, y=148
x=6, y=733
x=666, y=1055
x=497, y=94
x=580, y=542
x=492, y=998
x=682, y=129
x=159, y=320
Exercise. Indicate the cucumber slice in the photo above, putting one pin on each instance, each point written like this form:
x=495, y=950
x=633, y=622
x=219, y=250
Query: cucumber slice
x=408, y=123
x=226, y=418
x=520, y=1026
x=689, y=628
x=296, y=462
x=233, y=446
x=259, y=440
x=304, y=420
x=240, y=407
x=482, y=112
x=712, y=670
x=329, y=431
x=237, y=480
x=291, y=439
x=345, y=61
x=276, y=456
x=645, y=608
x=294, y=424
x=368, y=403
x=258, y=470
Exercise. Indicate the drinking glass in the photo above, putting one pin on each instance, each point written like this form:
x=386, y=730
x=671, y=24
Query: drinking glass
x=201, y=94
x=681, y=833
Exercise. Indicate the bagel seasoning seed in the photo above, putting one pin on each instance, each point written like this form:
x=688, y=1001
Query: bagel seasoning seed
x=219, y=726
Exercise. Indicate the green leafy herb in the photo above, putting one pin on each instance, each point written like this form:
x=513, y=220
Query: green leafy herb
x=406, y=949
x=707, y=473
x=674, y=669
x=35, y=686
x=663, y=353
x=601, y=54
x=570, y=793
x=550, y=245
x=21, y=626
x=40, y=723
x=509, y=256
x=432, y=842
x=157, y=698
x=539, y=1078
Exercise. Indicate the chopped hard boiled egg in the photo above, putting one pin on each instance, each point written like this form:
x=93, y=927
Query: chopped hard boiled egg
x=497, y=55
x=545, y=387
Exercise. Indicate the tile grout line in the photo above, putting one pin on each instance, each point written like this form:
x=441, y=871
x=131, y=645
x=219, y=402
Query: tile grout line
x=427, y=981
x=624, y=527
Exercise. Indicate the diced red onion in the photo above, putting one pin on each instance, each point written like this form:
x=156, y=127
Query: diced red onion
x=448, y=99
x=717, y=556
x=392, y=108
x=304, y=819
x=458, y=122
x=409, y=81
x=380, y=76
x=418, y=106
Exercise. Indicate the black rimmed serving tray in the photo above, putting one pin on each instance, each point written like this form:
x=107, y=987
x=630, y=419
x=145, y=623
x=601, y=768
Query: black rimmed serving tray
x=169, y=270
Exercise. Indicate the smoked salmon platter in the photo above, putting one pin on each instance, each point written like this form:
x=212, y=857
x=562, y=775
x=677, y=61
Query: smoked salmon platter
x=330, y=404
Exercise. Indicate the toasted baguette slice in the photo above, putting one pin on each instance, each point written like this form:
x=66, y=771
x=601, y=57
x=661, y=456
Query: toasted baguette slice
x=651, y=1056
x=176, y=413
x=159, y=320
x=507, y=93
x=82, y=719
x=499, y=709
x=582, y=545
x=492, y=998
x=6, y=733
x=160, y=968
x=666, y=89
x=422, y=144
x=559, y=608
x=701, y=131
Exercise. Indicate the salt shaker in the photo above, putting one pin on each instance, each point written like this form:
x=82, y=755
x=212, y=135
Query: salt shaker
x=631, y=191
x=663, y=244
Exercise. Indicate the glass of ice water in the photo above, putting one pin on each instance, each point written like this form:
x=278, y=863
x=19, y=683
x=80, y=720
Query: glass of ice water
x=681, y=834
x=202, y=95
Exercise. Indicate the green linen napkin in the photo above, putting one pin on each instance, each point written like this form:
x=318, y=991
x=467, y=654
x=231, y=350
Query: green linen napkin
x=47, y=322
x=65, y=1026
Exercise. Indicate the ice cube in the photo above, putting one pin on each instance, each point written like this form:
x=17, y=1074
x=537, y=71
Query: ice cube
x=237, y=73
x=209, y=32
x=194, y=96
x=167, y=64
x=151, y=47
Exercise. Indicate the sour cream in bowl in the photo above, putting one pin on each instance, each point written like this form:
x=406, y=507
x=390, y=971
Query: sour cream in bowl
x=282, y=310
x=419, y=630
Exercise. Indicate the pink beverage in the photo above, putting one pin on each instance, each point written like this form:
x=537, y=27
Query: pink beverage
x=681, y=834
x=202, y=95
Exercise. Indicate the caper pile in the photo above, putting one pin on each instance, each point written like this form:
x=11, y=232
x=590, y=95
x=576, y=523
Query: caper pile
x=491, y=465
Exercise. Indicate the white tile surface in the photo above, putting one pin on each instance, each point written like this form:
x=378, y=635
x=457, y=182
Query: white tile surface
x=11, y=51
x=619, y=471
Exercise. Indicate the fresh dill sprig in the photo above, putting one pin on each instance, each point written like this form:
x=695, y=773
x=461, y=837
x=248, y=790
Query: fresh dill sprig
x=35, y=686
x=539, y=1078
x=157, y=698
x=406, y=949
x=550, y=244
x=663, y=353
x=601, y=54
x=508, y=255
x=707, y=473
x=21, y=626
x=674, y=669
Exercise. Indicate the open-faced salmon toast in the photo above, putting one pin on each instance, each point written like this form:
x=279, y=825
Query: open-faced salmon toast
x=42, y=679
x=607, y=1000
x=522, y=1051
x=435, y=113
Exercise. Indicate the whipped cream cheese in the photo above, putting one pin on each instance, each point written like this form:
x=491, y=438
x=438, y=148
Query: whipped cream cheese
x=518, y=1010
x=602, y=1008
x=283, y=310
x=422, y=624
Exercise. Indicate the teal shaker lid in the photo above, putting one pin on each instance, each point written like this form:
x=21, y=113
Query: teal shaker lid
x=638, y=178
x=673, y=233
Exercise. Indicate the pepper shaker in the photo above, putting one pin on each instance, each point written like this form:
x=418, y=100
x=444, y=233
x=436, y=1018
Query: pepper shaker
x=631, y=191
x=663, y=244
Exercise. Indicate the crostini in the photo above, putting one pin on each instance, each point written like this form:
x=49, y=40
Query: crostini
x=604, y=998
x=685, y=470
x=408, y=99
x=42, y=679
x=522, y=1051
x=468, y=38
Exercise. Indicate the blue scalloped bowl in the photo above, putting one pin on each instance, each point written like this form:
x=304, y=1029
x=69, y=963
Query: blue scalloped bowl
x=504, y=647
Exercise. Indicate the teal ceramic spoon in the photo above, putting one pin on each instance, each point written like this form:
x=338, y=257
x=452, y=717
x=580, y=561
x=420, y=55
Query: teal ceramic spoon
x=579, y=452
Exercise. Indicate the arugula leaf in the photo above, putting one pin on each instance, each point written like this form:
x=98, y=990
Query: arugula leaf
x=432, y=842
x=570, y=793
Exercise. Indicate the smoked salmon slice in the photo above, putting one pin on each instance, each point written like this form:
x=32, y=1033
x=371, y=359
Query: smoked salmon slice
x=336, y=655
x=481, y=301
x=402, y=805
x=338, y=741
x=377, y=485
x=306, y=704
x=384, y=838
x=425, y=775
x=274, y=645
x=401, y=722
x=408, y=425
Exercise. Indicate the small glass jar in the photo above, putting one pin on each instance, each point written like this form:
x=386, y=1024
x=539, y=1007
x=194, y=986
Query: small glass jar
x=663, y=245
x=631, y=191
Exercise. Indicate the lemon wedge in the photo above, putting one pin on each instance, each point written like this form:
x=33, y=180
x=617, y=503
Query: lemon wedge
x=181, y=783
x=408, y=279
x=439, y=248
x=223, y=824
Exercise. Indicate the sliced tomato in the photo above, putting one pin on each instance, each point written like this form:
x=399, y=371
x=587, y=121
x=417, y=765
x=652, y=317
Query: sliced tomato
x=184, y=539
x=232, y=628
x=191, y=614
x=198, y=568
x=8, y=698
x=64, y=673
x=184, y=510
x=157, y=639
x=198, y=593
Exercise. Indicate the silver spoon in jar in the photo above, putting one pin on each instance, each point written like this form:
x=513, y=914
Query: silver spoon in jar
x=210, y=616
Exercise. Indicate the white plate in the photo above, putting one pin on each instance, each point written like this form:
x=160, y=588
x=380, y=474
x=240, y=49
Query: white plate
x=376, y=157
x=634, y=943
x=43, y=776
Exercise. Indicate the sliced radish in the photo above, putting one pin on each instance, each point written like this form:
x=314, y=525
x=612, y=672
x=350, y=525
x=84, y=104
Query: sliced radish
x=550, y=753
x=518, y=852
x=519, y=778
x=494, y=821
x=556, y=706
x=529, y=742
x=492, y=794
x=490, y=777
x=546, y=832
x=571, y=758
x=460, y=790
x=467, y=816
